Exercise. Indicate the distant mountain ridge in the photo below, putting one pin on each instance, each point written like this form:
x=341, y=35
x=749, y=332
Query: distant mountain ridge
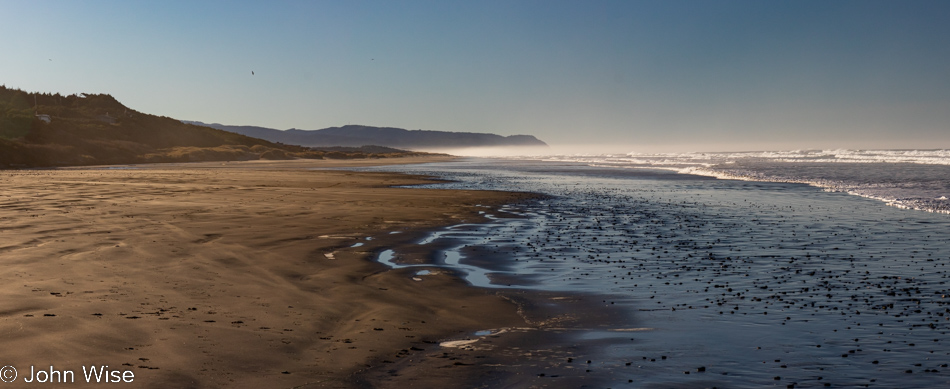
x=357, y=135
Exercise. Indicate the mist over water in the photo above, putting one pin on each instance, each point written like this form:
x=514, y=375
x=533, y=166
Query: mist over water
x=727, y=283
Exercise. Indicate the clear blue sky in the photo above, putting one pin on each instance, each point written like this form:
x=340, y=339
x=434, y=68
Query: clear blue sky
x=638, y=75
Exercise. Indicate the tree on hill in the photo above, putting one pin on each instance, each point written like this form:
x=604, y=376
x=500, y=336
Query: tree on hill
x=16, y=115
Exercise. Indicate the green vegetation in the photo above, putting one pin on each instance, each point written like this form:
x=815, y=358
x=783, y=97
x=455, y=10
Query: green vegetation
x=16, y=115
x=95, y=129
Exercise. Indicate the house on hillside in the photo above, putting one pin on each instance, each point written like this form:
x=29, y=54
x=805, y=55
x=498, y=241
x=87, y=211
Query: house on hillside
x=44, y=117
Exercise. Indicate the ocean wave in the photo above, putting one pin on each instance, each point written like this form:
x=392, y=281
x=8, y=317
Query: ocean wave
x=908, y=179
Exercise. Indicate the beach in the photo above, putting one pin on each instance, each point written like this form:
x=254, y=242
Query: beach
x=240, y=274
x=434, y=272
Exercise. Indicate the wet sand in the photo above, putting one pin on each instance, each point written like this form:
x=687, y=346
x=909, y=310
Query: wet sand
x=246, y=274
x=727, y=283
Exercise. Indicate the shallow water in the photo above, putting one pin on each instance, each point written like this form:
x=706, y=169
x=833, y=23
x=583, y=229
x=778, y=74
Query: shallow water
x=738, y=283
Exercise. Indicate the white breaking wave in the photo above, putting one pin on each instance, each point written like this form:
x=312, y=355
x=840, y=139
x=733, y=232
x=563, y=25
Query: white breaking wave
x=910, y=179
x=927, y=157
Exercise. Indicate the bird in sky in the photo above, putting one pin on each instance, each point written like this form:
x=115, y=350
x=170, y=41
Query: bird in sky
x=252, y=72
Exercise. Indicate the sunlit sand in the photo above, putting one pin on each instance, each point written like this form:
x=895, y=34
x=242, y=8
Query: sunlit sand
x=227, y=274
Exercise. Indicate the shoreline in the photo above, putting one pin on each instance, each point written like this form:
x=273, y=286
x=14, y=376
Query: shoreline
x=231, y=274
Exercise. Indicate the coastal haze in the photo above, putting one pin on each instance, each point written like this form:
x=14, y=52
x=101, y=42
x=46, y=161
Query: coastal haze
x=479, y=194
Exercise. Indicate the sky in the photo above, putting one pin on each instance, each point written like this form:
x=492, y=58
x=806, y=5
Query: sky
x=612, y=76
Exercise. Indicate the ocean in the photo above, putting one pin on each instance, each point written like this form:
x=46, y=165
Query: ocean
x=740, y=270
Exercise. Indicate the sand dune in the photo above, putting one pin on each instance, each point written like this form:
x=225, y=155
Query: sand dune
x=217, y=275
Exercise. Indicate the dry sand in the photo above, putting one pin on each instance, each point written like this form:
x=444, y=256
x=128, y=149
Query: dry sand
x=227, y=274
